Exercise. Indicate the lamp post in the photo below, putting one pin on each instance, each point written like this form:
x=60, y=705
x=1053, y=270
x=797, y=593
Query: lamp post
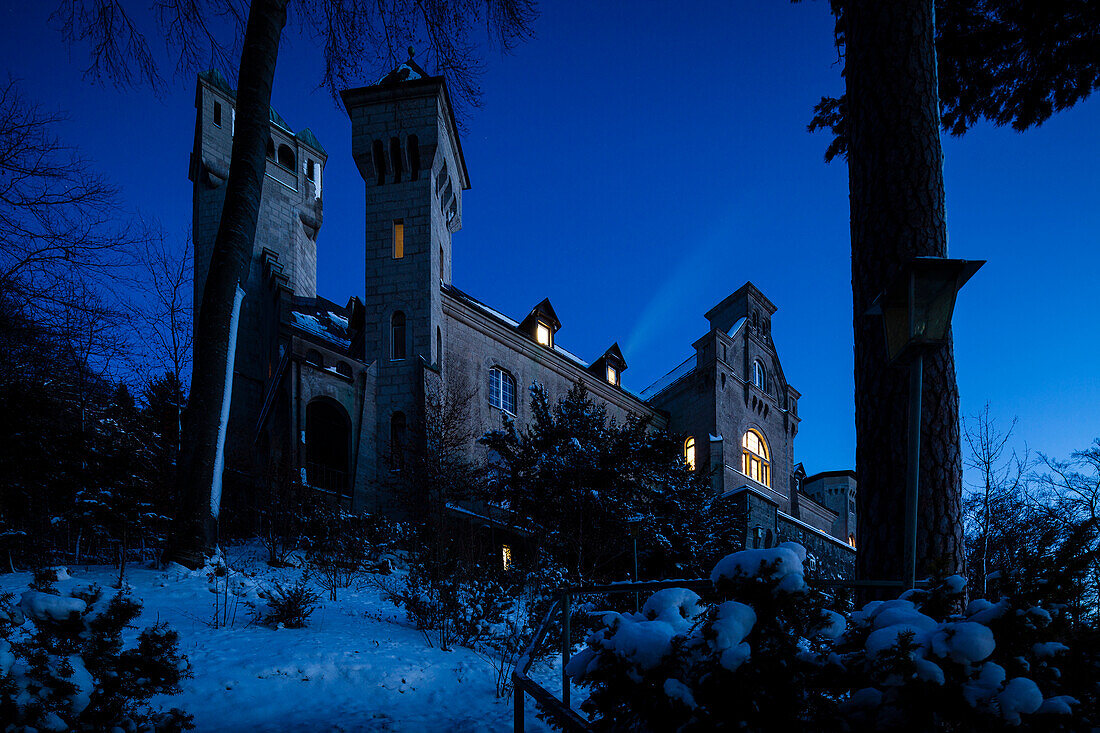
x=916, y=313
x=634, y=524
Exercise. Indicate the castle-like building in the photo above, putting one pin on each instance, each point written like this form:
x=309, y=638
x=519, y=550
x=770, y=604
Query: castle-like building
x=334, y=391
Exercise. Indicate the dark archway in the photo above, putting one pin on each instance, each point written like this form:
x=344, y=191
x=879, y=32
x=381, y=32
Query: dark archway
x=328, y=447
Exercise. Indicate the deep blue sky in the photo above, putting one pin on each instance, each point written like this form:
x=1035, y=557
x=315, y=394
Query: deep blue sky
x=638, y=162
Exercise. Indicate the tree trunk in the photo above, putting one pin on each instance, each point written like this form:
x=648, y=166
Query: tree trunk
x=895, y=167
x=195, y=531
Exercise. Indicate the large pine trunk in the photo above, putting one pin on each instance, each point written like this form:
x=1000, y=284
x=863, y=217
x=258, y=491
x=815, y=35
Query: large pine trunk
x=195, y=531
x=895, y=166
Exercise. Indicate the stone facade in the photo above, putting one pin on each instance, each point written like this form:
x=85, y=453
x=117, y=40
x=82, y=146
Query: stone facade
x=332, y=392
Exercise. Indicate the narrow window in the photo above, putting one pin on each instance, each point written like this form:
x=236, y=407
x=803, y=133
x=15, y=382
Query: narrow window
x=398, y=430
x=395, y=158
x=270, y=149
x=852, y=540
x=438, y=346
x=377, y=154
x=612, y=375
x=442, y=265
x=309, y=169
x=397, y=336
x=398, y=239
x=218, y=114
x=413, y=147
x=502, y=390
x=506, y=557
x=543, y=334
x=759, y=376
x=689, y=452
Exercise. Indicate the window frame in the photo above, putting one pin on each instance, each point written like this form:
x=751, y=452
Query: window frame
x=541, y=327
x=499, y=379
x=756, y=465
x=397, y=239
x=758, y=370
x=689, y=452
x=394, y=341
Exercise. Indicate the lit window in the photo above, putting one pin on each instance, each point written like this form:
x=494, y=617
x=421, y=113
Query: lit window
x=543, y=334
x=759, y=376
x=689, y=452
x=397, y=336
x=506, y=556
x=398, y=239
x=502, y=390
x=852, y=540
x=612, y=375
x=754, y=458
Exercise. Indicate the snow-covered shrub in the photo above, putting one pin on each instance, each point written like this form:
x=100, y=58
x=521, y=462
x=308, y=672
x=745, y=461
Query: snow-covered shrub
x=291, y=607
x=767, y=653
x=63, y=665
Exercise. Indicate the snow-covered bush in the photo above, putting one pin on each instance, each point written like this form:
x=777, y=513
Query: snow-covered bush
x=767, y=653
x=63, y=664
x=291, y=607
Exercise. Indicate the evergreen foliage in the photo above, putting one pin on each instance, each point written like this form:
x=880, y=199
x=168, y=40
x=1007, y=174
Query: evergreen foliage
x=768, y=653
x=68, y=668
x=581, y=483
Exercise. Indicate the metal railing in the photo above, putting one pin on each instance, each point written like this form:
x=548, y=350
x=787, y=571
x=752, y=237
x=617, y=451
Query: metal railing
x=561, y=709
x=326, y=478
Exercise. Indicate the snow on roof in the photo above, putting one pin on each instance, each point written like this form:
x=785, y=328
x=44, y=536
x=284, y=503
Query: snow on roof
x=572, y=357
x=686, y=368
x=740, y=322
x=312, y=324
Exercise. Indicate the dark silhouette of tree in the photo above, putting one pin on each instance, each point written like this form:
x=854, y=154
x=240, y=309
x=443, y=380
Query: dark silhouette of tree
x=1009, y=62
x=895, y=170
x=355, y=37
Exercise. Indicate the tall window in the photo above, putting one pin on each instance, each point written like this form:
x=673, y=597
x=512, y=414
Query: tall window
x=412, y=146
x=218, y=114
x=759, y=376
x=395, y=159
x=378, y=156
x=754, y=458
x=397, y=336
x=398, y=239
x=689, y=452
x=612, y=375
x=398, y=431
x=502, y=390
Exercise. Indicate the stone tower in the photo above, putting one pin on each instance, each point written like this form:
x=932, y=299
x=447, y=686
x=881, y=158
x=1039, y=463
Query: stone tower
x=286, y=240
x=406, y=146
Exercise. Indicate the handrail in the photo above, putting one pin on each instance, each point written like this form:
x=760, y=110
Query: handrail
x=561, y=710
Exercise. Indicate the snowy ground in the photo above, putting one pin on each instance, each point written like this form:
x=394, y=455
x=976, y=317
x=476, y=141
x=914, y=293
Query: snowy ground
x=358, y=666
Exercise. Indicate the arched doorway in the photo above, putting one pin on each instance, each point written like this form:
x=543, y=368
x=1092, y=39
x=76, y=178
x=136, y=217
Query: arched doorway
x=328, y=447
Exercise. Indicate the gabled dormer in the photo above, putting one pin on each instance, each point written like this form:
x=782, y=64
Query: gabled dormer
x=541, y=324
x=610, y=366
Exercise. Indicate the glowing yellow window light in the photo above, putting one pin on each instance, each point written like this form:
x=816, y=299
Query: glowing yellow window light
x=543, y=334
x=689, y=452
x=506, y=556
x=398, y=239
x=612, y=375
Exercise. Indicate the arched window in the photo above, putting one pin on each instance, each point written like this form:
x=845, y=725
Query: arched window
x=286, y=157
x=397, y=336
x=759, y=376
x=755, y=458
x=395, y=158
x=412, y=145
x=379, y=158
x=689, y=452
x=313, y=356
x=343, y=369
x=502, y=390
x=328, y=444
x=398, y=437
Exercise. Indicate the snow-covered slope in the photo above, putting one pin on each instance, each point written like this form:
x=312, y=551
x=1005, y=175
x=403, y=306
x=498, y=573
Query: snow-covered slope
x=358, y=666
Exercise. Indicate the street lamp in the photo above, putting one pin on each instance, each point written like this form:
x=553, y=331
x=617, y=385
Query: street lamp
x=916, y=312
x=634, y=524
